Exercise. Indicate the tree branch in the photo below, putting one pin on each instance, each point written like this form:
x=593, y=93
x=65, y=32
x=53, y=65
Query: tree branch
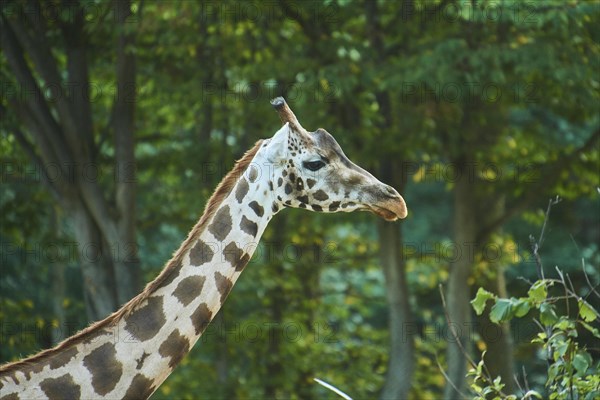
x=78, y=107
x=38, y=50
x=35, y=99
x=37, y=161
x=123, y=118
x=62, y=183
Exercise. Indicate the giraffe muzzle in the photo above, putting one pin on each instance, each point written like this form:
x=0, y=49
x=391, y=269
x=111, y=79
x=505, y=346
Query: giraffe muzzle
x=391, y=206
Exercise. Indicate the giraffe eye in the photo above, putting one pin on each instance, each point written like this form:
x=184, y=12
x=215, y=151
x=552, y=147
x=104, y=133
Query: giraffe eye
x=313, y=165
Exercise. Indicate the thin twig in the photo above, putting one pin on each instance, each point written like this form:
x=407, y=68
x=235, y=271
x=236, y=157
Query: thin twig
x=574, y=243
x=564, y=284
x=571, y=375
x=487, y=375
x=448, y=378
x=587, y=279
x=571, y=283
x=548, y=352
x=516, y=379
x=575, y=296
x=551, y=203
x=525, y=378
x=456, y=338
x=536, y=256
x=527, y=281
x=537, y=245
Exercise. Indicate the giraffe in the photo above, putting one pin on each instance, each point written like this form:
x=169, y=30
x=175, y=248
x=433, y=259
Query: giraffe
x=131, y=352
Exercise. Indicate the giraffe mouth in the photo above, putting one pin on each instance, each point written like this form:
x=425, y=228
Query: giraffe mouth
x=390, y=210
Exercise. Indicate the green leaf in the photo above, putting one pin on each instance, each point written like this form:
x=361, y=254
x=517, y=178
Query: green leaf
x=553, y=373
x=521, y=307
x=547, y=314
x=481, y=299
x=476, y=388
x=564, y=324
x=581, y=362
x=501, y=311
x=586, y=312
x=561, y=348
x=538, y=292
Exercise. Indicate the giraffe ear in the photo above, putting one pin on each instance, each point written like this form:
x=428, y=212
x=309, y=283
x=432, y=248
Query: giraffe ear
x=277, y=147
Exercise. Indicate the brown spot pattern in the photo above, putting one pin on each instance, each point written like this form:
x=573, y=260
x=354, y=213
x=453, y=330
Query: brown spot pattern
x=106, y=370
x=176, y=346
x=334, y=206
x=201, y=318
x=310, y=183
x=62, y=387
x=303, y=199
x=201, y=253
x=172, y=274
x=140, y=361
x=221, y=225
x=253, y=173
x=232, y=253
x=140, y=388
x=27, y=370
x=12, y=396
x=223, y=285
x=248, y=226
x=241, y=264
x=241, y=190
x=62, y=358
x=189, y=288
x=257, y=208
x=145, y=322
x=235, y=256
x=320, y=195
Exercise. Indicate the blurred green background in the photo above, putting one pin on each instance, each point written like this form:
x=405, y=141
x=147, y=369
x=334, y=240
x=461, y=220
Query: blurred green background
x=478, y=112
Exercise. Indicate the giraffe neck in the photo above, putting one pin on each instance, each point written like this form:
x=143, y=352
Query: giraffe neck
x=132, y=352
x=194, y=292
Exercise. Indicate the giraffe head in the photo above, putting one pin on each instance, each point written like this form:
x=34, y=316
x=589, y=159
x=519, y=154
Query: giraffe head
x=310, y=170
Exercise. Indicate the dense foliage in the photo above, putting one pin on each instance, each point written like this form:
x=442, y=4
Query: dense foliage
x=428, y=95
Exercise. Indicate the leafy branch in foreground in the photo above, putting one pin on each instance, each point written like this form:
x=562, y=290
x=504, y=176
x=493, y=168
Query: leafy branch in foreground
x=571, y=370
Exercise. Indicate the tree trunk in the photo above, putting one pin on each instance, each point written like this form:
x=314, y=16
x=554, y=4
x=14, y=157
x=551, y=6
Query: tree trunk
x=401, y=323
x=401, y=363
x=60, y=134
x=100, y=300
x=126, y=262
x=458, y=293
x=57, y=277
x=497, y=337
x=498, y=340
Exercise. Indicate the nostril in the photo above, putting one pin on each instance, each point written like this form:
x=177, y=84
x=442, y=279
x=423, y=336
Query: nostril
x=390, y=191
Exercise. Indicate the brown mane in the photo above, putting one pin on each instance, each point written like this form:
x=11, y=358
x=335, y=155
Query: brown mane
x=222, y=191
